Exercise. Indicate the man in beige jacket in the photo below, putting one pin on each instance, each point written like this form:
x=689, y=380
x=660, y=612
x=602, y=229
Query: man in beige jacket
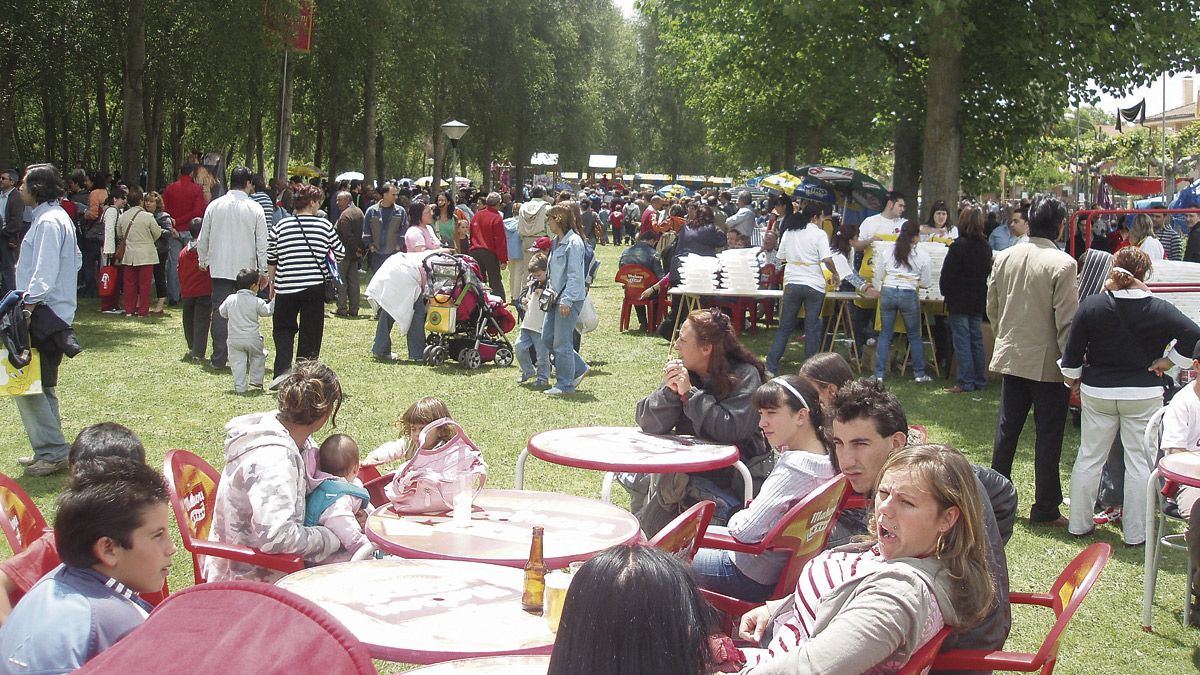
x=1032, y=297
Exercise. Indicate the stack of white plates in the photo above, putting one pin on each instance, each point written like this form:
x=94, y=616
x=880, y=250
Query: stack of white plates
x=936, y=251
x=698, y=273
x=739, y=269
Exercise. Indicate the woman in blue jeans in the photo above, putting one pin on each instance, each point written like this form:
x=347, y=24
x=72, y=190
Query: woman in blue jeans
x=804, y=246
x=898, y=276
x=566, y=282
x=964, y=285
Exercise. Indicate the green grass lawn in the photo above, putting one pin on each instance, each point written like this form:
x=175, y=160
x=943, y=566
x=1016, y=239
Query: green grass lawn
x=131, y=373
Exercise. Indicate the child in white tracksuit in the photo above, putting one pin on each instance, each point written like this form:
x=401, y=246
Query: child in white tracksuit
x=245, y=342
x=531, y=326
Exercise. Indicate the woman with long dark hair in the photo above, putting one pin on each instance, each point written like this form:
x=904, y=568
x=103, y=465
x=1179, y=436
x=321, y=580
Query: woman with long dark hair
x=964, y=285
x=296, y=250
x=706, y=392
x=898, y=276
x=804, y=246
x=938, y=224
x=446, y=220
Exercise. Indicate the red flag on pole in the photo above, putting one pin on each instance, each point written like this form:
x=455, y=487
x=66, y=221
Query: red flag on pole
x=295, y=29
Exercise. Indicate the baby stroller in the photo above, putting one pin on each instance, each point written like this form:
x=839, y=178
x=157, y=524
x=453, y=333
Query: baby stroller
x=464, y=322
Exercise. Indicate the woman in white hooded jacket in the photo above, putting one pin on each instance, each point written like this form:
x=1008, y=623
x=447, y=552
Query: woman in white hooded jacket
x=260, y=500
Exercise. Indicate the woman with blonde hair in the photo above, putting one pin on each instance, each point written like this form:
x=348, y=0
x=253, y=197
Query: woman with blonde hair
x=1142, y=236
x=1114, y=355
x=868, y=607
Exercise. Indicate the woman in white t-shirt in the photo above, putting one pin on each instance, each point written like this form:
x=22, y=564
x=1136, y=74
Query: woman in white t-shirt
x=1142, y=236
x=938, y=225
x=898, y=276
x=803, y=247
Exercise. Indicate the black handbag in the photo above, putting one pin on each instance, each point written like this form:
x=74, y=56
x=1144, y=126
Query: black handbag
x=329, y=288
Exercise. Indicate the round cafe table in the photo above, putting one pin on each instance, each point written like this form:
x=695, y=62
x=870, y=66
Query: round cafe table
x=630, y=449
x=1184, y=469
x=426, y=611
x=501, y=528
x=491, y=665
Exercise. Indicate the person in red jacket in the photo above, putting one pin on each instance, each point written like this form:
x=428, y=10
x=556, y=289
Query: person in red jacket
x=183, y=200
x=195, y=288
x=489, y=246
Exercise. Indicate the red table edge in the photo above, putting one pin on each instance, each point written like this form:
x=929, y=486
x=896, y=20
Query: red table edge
x=427, y=658
x=600, y=465
x=1181, y=478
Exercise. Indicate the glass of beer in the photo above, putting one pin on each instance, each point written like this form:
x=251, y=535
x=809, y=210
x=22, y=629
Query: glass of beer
x=557, y=583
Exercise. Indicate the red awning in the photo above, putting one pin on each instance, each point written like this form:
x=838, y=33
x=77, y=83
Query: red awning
x=1136, y=185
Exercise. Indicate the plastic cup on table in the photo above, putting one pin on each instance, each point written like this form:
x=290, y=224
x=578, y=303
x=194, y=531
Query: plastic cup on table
x=463, y=498
x=557, y=583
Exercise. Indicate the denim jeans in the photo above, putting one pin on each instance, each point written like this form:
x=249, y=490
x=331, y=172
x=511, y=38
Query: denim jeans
x=415, y=336
x=902, y=301
x=43, y=425
x=174, y=246
x=557, y=337
x=540, y=367
x=714, y=570
x=796, y=296
x=967, y=332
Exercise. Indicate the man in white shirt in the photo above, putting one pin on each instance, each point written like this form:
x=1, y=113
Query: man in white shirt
x=1181, y=433
x=887, y=221
x=233, y=238
x=804, y=249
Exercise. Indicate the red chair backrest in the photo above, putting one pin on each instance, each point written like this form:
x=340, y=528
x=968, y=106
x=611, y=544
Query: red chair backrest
x=923, y=657
x=766, y=277
x=635, y=279
x=1069, y=591
x=681, y=537
x=192, y=485
x=367, y=472
x=375, y=486
x=236, y=627
x=22, y=522
x=804, y=529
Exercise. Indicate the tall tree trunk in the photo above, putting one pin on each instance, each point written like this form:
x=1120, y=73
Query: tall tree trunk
x=87, y=132
x=789, y=145
x=485, y=162
x=907, y=136
x=178, y=125
x=49, y=138
x=379, y=163
x=250, y=132
x=814, y=144
x=370, y=97
x=7, y=151
x=335, y=156
x=943, y=87
x=284, y=127
x=132, y=91
x=319, y=153
x=105, y=159
x=154, y=142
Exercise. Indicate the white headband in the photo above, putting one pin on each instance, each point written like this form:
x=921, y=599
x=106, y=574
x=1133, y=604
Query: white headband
x=1122, y=270
x=792, y=389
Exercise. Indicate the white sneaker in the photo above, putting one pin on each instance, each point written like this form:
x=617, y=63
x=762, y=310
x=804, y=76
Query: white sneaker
x=922, y=379
x=554, y=391
x=870, y=342
x=579, y=378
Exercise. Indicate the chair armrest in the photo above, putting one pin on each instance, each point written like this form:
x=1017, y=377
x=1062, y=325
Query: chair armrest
x=244, y=554
x=724, y=603
x=1042, y=599
x=726, y=542
x=982, y=659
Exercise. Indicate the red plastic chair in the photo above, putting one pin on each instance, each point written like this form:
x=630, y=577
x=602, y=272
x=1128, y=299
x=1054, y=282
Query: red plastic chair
x=635, y=279
x=22, y=522
x=802, y=532
x=1064, y=598
x=681, y=537
x=196, y=480
x=923, y=657
x=374, y=487
x=235, y=628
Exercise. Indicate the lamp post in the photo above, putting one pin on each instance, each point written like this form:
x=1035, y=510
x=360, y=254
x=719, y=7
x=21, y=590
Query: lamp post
x=454, y=130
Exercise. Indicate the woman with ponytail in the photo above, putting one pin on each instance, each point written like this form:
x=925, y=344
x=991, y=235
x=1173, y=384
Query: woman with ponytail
x=790, y=416
x=1114, y=355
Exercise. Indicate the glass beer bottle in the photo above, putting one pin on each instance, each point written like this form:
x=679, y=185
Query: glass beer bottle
x=535, y=575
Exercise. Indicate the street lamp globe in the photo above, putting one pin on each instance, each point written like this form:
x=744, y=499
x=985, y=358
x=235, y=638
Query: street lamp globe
x=454, y=129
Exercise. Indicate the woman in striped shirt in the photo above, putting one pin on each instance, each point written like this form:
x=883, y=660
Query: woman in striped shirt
x=804, y=463
x=296, y=250
x=866, y=608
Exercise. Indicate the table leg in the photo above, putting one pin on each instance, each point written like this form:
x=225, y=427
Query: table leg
x=928, y=320
x=691, y=303
x=1152, y=550
x=606, y=487
x=829, y=340
x=847, y=309
x=520, y=480
x=747, y=480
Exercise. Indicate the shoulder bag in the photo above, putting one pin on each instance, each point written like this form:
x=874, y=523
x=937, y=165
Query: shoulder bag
x=430, y=480
x=329, y=288
x=120, y=252
x=1168, y=383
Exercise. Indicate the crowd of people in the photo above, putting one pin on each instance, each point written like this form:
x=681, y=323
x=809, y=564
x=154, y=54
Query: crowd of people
x=927, y=553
